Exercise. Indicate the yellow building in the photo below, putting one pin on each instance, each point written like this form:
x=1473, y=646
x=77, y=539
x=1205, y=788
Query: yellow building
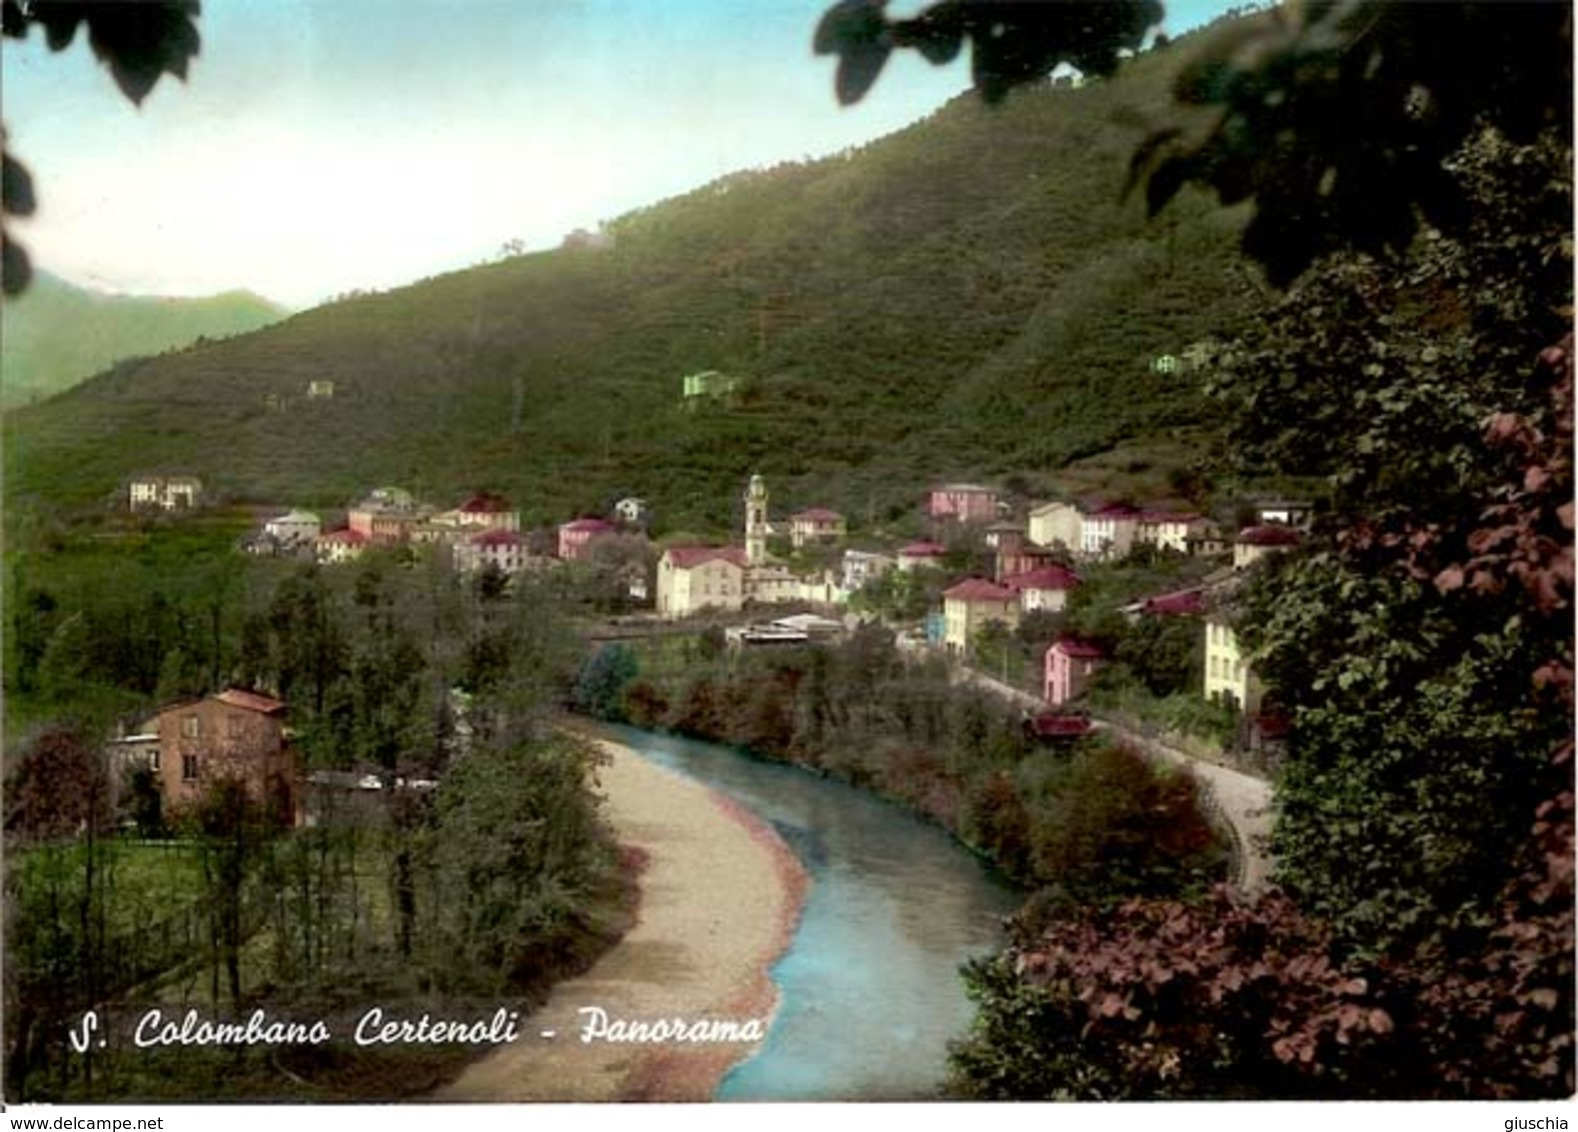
x=970, y=606
x=1228, y=676
x=693, y=578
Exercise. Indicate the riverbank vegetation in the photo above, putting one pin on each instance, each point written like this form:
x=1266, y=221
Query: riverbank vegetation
x=453, y=860
x=1086, y=824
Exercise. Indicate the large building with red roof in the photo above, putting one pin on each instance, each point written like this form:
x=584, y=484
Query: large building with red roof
x=236, y=735
x=970, y=606
x=694, y=578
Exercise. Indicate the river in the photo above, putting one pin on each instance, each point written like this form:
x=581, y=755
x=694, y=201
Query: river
x=870, y=988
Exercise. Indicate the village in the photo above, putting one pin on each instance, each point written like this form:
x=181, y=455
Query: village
x=988, y=569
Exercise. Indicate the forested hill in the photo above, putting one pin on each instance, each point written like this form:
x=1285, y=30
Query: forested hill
x=970, y=297
x=57, y=334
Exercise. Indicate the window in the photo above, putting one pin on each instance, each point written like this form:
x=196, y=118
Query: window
x=153, y=763
x=235, y=726
x=189, y=726
x=188, y=768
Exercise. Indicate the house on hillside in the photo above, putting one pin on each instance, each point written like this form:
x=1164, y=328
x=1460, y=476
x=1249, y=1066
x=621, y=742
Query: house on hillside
x=1229, y=679
x=320, y=390
x=862, y=566
x=294, y=528
x=388, y=516
x=236, y=735
x=815, y=525
x=921, y=556
x=575, y=535
x=1068, y=667
x=488, y=511
x=164, y=493
x=632, y=511
x=709, y=386
x=1044, y=589
x=970, y=605
x=1109, y=531
x=1026, y=560
x=1055, y=524
x=1288, y=512
x=1167, y=531
x=1254, y=543
x=693, y=578
x=962, y=502
x=344, y=545
x=503, y=550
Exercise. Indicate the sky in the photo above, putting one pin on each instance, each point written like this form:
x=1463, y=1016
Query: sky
x=317, y=148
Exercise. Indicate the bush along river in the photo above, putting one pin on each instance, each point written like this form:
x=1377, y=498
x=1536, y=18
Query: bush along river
x=870, y=985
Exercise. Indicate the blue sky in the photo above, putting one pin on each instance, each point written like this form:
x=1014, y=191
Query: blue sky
x=319, y=147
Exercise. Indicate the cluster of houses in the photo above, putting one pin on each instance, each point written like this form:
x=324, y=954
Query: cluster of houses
x=482, y=532
x=1032, y=569
x=1033, y=560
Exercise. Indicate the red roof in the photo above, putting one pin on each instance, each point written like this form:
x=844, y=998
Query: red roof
x=485, y=503
x=979, y=589
x=1179, y=603
x=1271, y=534
x=1168, y=517
x=497, y=538
x=1074, y=647
x=251, y=701
x=345, y=535
x=923, y=550
x=1058, y=725
x=595, y=526
x=1044, y=578
x=818, y=515
x=689, y=557
x=1115, y=511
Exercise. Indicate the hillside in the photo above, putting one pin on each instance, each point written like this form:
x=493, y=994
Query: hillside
x=969, y=297
x=57, y=334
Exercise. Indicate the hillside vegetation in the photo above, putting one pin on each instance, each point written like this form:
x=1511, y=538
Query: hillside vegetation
x=57, y=334
x=970, y=297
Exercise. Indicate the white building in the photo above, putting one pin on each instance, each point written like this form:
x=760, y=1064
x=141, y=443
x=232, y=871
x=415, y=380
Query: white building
x=1054, y=524
x=294, y=528
x=165, y=493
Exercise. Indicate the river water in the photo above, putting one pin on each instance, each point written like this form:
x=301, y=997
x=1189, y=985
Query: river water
x=871, y=993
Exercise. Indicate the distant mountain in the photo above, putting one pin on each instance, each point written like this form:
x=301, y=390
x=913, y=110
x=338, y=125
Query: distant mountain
x=968, y=298
x=56, y=333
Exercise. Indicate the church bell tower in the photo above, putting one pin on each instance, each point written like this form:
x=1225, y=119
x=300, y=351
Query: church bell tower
x=756, y=522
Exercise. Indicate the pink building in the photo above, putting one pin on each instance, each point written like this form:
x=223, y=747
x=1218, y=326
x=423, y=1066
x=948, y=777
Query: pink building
x=965, y=502
x=574, y=536
x=1070, y=663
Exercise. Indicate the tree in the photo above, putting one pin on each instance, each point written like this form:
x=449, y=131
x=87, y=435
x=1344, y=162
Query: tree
x=1258, y=103
x=139, y=43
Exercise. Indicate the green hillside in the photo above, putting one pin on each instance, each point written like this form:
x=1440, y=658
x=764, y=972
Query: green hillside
x=57, y=334
x=969, y=297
